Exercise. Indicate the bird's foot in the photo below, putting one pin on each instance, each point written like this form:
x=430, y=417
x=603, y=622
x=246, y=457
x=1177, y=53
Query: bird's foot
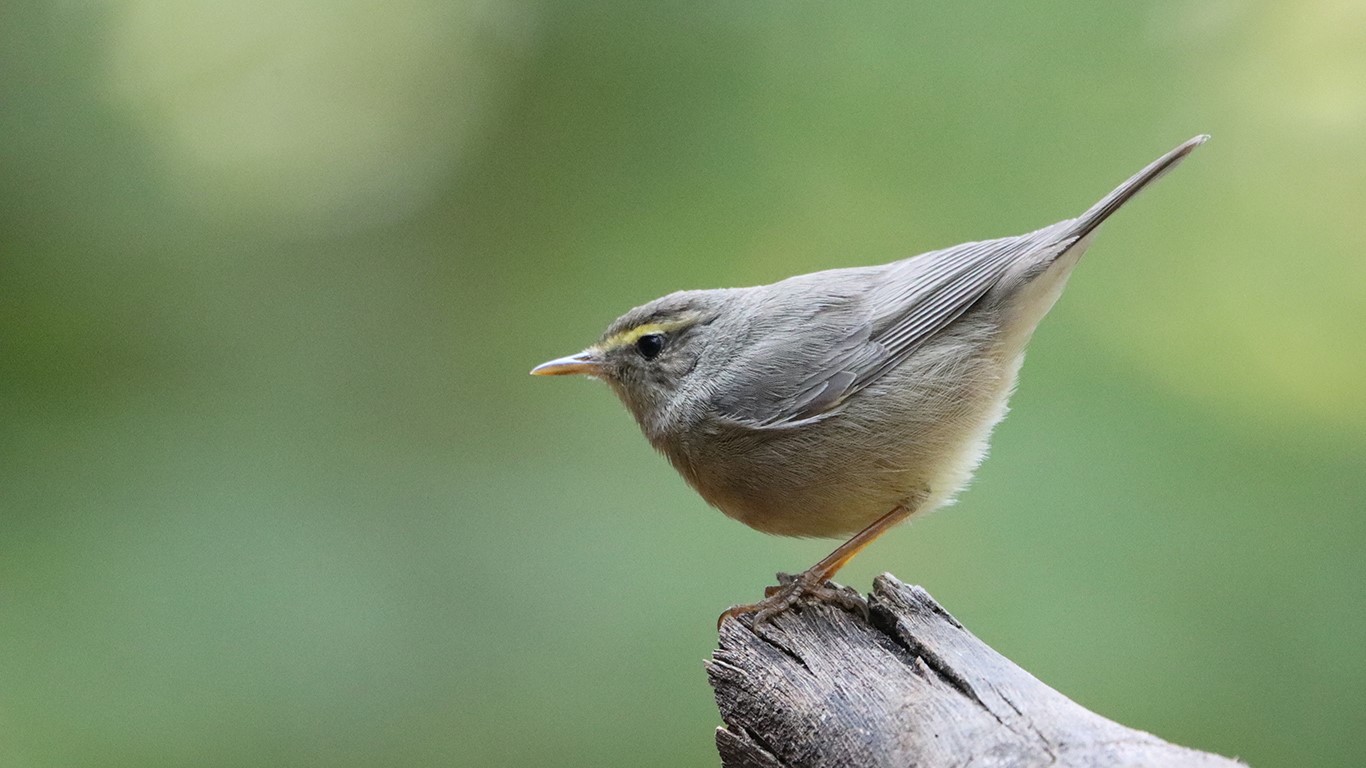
x=807, y=586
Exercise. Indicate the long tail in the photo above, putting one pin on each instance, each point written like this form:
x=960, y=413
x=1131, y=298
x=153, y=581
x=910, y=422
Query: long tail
x=1098, y=213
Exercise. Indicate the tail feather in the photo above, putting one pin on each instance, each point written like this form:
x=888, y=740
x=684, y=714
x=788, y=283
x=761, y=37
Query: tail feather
x=1087, y=222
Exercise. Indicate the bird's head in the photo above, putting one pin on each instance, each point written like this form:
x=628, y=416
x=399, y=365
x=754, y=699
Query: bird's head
x=650, y=354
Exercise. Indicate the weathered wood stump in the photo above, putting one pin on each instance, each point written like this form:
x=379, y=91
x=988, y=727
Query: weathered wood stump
x=908, y=686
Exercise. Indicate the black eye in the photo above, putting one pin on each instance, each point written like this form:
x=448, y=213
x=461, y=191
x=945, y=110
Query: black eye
x=650, y=345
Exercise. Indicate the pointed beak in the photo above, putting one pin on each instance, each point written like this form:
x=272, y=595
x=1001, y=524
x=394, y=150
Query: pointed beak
x=586, y=362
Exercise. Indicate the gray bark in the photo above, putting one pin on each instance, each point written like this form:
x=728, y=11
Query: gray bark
x=908, y=686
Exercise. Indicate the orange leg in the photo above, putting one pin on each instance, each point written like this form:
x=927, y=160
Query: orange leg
x=812, y=580
x=845, y=552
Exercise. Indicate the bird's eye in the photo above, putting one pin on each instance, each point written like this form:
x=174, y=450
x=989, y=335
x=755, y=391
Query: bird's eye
x=650, y=345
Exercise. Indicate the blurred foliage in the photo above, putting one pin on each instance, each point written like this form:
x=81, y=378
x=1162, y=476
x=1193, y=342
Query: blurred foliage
x=276, y=490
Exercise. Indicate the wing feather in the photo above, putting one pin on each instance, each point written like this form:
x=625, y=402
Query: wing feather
x=879, y=328
x=871, y=320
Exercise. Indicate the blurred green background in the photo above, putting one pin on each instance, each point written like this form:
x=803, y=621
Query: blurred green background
x=275, y=488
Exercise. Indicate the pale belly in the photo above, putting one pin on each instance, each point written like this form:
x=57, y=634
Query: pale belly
x=899, y=443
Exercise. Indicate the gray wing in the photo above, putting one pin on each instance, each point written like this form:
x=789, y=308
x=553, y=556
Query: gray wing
x=865, y=331
x=869, y=321
x=924, y=295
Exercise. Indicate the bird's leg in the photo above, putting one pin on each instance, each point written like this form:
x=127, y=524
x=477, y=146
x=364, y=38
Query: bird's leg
x=813, y=581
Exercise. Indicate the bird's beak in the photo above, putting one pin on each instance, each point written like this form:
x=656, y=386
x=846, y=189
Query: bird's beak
x=586, y=362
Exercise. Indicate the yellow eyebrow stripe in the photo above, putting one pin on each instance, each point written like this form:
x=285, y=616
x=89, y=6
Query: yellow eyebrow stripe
x=630, y=335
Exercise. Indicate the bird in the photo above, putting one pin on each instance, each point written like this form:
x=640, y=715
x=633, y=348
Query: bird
x=840, y=403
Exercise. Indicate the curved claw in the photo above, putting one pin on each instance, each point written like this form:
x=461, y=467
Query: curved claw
x=735, y=612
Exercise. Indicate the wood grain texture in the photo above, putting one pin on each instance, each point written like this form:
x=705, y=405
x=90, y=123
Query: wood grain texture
x=908, y=686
